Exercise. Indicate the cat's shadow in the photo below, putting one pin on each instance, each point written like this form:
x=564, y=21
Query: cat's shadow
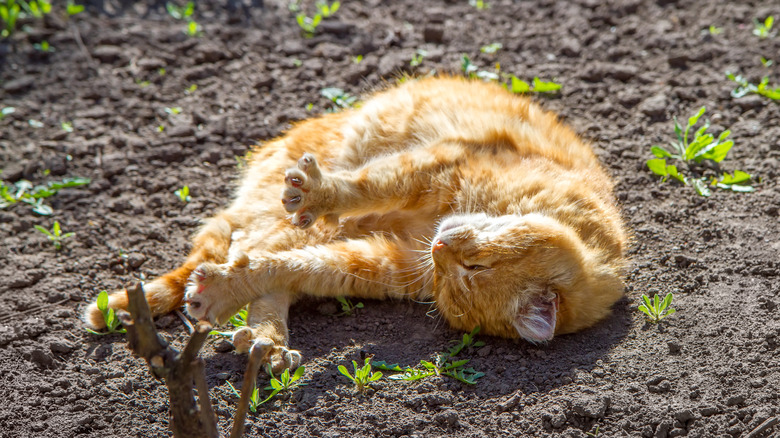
x=407, y=332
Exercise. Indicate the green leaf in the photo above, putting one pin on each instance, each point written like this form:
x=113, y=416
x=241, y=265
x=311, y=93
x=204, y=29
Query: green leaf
x=670, y=311
x=298, y=373
x=275, y=384
x=701, y=187
x=343, y=370
x=545, y=87
x=672, y=171
x=717, y=153
x=518, y=85
x=738, y=177
x=667, y=300
x=644, y=309
x=660, y=152
x=657, y=166
x=102, y=301
x=693, y=119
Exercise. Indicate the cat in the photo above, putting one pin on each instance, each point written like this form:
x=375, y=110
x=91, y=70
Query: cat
x=442, y=189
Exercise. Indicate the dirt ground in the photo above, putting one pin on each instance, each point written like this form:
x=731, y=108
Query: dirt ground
x=122, y=73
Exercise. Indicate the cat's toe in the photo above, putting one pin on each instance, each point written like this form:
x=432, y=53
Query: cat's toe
x=303, y=219
x=308, y=164
x=197, y=294
x=243, y=339
x=292, y=199
x=276, y=358
x=297, y=178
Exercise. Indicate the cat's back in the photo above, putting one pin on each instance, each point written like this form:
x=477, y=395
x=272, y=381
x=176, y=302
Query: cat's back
x=479, y=115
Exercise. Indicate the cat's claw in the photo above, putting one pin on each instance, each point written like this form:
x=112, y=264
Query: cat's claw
x=300, y=197
x=278, y=357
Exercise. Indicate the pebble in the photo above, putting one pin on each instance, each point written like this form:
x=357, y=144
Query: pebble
x=591, y=407
x=654, y=106
x=60, y=346
x=448, y=418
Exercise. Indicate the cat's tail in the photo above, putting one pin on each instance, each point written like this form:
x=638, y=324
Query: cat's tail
x=166, y=293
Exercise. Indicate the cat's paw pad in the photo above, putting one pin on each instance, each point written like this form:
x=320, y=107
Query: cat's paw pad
x=301, y=194
x=276, y=358
x=243, y=339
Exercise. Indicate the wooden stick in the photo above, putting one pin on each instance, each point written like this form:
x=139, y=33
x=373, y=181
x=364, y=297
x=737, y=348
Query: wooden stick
x=250, y=380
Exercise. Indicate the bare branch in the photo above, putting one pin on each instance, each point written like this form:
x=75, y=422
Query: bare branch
x=250, y=379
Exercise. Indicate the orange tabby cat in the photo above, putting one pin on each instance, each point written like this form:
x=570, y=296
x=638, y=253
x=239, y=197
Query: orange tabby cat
x=439, y=188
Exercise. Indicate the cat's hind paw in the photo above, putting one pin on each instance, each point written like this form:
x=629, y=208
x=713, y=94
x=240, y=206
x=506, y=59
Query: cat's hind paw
x=275, y=357
x=304, y=194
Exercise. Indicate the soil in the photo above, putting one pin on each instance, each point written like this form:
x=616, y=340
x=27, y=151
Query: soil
x=121, y=74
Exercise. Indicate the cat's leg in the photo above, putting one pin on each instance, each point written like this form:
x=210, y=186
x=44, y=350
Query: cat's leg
x=417, y=179
x=164, y=294
x=267, y=329
x=373, y=267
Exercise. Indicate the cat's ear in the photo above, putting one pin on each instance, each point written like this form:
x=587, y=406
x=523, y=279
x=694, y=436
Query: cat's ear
x=536, y=321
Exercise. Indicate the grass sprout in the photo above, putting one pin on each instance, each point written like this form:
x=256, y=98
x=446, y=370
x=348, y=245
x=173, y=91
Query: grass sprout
x=763, y=29
x=491, y=48
x=183, y=194
x=55, y=235
x=657, y=309
x=339, y=97
x=24, y=191
x=347, y=307
x=238, y=320
x=112, y=322
x=762, y=88
x=363, y=375
x=443, y=364
x=284, y=383
x=692, y=152
x=508, y=81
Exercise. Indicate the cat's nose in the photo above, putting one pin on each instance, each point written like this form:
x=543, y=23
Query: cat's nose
x=438, y=245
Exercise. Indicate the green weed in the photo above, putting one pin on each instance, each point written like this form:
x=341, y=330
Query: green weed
x=479, y=4
x=183, y=194
x=112, y=322
x=238, y=320
x=657, y=309
x=24, y=191
x=339, y=97
x=185, y=13
x=9, y=13
x=55, y=235
x=692, y=152
x=744, y=87
x=309, y=24
x=73, y=8
x=347, y=307
x=417, y=57
x=714, y=30
x=766, y=62
x=763, y=30
x=67, y=126
x=508, y=81
x=363, y=375
x=6, y=110
x=443, y=364
x=491, y=48
x=284, y=383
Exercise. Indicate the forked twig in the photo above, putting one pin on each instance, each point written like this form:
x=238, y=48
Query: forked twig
x=247, y=388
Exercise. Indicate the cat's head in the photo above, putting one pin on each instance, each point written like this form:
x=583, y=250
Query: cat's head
x=516, y=276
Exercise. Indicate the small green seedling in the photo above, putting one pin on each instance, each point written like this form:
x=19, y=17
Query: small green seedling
x=183, y=194
x=491, y=48
x=746, y=87
x=418, y=57
x=285, y=382
x=339, y=97
x=112, y=322
x=238, y=321
x=43, y=46
x=36, y=8
x=443, y=364
x=327, y=10
x=692, y=152
x=513, y=83
x=55, y=235
x=657, y=309
x=308, y=24
x=763, y=30
x=73, y=8
x=714, y=30
x=67, y=126
x=172, y=110
x=347, y=307
x=767, y=62
x=6, y=110
x=363, y=375
x=595, y=432
x=479, y=4
x=9, y=13
x=180, y=12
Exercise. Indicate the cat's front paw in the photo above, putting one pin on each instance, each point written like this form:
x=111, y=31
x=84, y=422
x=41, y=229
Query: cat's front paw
x=208, y=294
x=306, y=194
x=278, y=357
